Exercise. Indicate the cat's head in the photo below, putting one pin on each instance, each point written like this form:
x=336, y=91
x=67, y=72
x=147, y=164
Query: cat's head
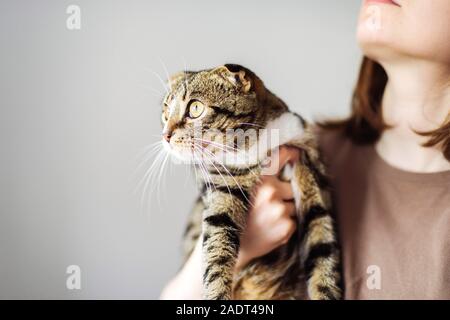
x=203, y=108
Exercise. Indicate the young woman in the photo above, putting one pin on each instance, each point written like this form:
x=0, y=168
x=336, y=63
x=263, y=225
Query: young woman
x=389, y=163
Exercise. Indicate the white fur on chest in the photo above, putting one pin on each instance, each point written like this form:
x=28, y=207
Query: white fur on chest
x=282, y=130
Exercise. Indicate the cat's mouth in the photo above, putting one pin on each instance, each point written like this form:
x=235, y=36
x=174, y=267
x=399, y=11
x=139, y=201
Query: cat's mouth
x=183, y=152
x=209, y=153
x=190, y=152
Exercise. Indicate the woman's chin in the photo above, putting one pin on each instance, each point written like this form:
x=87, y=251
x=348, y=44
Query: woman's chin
x=377, y=32
x=415, y=30
x=379, y=45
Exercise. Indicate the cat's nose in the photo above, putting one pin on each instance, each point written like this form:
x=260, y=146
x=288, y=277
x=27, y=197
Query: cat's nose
x=167, y=136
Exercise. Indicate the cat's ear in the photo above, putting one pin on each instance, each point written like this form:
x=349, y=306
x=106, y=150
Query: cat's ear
x=241, y=77
x=236, y=75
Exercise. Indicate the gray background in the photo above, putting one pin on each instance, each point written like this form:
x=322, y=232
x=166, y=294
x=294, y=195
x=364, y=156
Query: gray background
x=78, y=106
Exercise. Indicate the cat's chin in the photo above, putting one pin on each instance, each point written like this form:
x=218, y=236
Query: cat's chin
x=232, y=160
x=182, y=156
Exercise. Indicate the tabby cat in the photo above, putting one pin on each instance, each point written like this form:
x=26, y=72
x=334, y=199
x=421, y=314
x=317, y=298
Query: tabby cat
x=233, y=97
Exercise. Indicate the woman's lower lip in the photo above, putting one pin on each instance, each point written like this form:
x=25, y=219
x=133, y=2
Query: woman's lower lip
x=384, y=1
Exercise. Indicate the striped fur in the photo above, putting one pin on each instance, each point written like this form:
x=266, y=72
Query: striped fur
x=308, y=265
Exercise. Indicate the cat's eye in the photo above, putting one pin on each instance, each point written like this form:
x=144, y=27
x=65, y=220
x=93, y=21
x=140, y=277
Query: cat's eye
x=196, y=109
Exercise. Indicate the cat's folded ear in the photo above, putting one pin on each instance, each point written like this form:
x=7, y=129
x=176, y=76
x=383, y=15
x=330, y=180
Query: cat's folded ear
x=242, y=78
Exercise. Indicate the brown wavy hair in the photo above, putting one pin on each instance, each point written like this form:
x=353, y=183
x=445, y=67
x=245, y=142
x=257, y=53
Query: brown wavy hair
x=365, y=124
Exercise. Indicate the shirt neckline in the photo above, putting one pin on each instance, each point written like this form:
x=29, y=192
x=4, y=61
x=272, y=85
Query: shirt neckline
x=382, y=166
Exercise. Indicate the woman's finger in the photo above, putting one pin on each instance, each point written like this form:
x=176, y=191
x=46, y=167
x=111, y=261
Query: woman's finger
x=284, y=189
x=279, y=157
x=272, y=187
x=290, y=209
x=286, y=154
x=284, y=231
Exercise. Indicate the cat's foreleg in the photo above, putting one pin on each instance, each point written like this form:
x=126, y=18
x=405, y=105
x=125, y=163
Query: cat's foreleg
x=221, y=233
x=193, y=229
x=319, y=245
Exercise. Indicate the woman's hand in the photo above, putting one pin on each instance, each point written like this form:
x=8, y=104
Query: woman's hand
x=270, y=221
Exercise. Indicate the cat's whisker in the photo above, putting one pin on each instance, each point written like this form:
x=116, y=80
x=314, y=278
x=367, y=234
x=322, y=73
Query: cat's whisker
x=156, y=175
x=157, y=159
x=166, y=71
x=155, y=93
x=218, y=171
x=206, y=175
x=161, y=171
x=197, y=160
x=195, y=173
x=232, y=177
x=153, y=169
x=149, y=177
x=147, y=155
x=214, y=143
x=185, y=72
x=222, y=148
x=197, y=168
x=217, y=144
x=225, y=151
x=187, y=176
x=144, y=150
x=161, y=81
x=141, y=159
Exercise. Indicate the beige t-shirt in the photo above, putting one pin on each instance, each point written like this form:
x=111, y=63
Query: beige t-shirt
x=394, y=226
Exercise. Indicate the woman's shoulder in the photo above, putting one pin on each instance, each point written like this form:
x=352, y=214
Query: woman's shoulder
x=333, y=143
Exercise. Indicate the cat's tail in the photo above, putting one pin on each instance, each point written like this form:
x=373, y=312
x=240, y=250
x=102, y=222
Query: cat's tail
x=319, y=249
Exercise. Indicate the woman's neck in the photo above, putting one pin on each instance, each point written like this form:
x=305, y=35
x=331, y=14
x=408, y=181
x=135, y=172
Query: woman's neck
x=416, y=99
